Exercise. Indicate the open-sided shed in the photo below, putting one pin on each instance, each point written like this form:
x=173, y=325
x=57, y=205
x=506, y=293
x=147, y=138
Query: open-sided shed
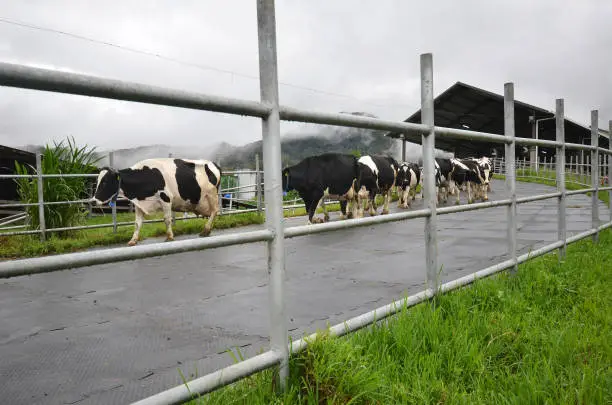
x=8, y=157
x=467, y=107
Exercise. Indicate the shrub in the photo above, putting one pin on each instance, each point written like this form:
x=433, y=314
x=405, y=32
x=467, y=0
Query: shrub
x=60, y=159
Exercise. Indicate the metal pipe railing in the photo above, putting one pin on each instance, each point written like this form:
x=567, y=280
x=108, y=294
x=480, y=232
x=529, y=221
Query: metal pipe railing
x=271, y=113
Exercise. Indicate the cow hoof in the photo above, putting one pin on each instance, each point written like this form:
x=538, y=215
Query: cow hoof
x=349, y=215
x=132, y=243
x=317, y=221
x=169, y=238
x=205, y=232
x=326, y=218
x=485, y=199
x=384, y=212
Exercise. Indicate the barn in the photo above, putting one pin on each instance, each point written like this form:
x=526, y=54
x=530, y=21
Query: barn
x=8, y=157
x=464, y=106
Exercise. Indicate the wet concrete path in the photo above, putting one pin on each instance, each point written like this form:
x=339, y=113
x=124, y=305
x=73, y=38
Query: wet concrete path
x=112, y=334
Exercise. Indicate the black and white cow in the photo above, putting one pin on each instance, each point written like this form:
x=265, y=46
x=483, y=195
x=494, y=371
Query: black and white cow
x=444, y=183
x=164, y=184
x=377, y=175
x=408, y=178
x=486, y=167
x=470, y=173
x=329, y=175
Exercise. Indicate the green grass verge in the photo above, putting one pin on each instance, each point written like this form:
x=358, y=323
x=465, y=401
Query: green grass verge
x=548, y=178
x=13, y=247
x=543, y=336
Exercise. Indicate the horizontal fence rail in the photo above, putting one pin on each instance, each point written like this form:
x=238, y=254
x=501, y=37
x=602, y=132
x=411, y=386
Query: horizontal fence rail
x=274, y=234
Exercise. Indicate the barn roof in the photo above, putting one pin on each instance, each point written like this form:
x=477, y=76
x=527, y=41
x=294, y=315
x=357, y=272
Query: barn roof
x=467, y=107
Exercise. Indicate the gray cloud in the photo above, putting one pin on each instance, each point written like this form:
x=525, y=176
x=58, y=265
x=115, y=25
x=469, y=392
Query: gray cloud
x=367, y=50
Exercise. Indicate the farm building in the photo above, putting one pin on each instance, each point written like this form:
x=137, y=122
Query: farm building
x=8, y=157
x=464, y=106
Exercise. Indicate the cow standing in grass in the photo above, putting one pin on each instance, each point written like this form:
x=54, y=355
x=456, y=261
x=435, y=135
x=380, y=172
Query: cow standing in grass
x=164, y=184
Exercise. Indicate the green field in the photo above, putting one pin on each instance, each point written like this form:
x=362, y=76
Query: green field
x=543, y=336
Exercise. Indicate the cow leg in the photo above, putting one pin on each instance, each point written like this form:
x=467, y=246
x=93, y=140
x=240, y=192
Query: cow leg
x=372, y=204
x=458, y=200
x=137, y=225
x=214, y=203
x=469, y=193
x=386, y=202
x=324, y=208
x=343, y=204
x=167, y=208
x=312, y=208
x=485, y=197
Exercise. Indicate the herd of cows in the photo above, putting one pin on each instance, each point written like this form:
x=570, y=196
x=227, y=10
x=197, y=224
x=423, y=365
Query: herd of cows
x=184, y=185
x=355, y=182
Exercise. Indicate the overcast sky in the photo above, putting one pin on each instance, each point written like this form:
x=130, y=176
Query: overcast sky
x=367, y=50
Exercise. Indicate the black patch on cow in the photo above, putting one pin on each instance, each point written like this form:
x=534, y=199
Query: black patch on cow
x=164, y=197
x=135, y=183
x=211, y=176
x=188, y=186
x=141, y=183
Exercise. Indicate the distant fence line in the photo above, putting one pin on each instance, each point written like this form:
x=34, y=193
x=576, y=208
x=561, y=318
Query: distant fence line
x=271, y=113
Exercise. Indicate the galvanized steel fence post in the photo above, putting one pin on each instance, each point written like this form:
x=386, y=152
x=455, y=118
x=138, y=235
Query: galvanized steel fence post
x=560, y=122
x=429, y=189
x=268, y=78
x=111, y=163
x=258, y=183
x=595, y=171
x=510, y=148
x=41, y=198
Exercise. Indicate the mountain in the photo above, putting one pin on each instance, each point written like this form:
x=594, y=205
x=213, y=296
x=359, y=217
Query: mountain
x=312, y=139
x=307, y=140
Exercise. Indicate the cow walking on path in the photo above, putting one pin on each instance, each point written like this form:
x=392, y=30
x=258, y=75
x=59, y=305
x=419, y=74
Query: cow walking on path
x=377, y=175
x=329, y=175
x=164, y=184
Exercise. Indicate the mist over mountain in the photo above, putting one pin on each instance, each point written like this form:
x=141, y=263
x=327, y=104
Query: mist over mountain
x=307, y=140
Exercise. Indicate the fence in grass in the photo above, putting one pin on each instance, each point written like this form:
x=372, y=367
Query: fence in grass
x=546, y=169
x=274, y=234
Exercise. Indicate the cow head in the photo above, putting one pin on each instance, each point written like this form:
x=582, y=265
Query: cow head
x=106, y=186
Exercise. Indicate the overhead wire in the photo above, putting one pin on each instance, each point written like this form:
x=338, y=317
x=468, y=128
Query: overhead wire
x=192, y=64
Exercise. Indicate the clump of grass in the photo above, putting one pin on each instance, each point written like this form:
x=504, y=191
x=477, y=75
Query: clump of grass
x=542, y=336
x=58, y=159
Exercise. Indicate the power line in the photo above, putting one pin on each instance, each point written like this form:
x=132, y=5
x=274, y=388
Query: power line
x=191, y=64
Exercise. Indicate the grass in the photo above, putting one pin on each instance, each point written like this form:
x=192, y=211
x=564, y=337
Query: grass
x=543, y=336
x=548, y=178
x=13, y=247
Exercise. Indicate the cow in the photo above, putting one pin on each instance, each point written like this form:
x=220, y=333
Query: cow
x=444, y=183
x=377, y=175
x=487, y=173
x=329, y=175
x=163, y=184
x=470, y=173
x=408, y=179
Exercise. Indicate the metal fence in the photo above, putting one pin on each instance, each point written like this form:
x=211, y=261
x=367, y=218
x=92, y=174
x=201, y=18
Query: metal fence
x=270, y=112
